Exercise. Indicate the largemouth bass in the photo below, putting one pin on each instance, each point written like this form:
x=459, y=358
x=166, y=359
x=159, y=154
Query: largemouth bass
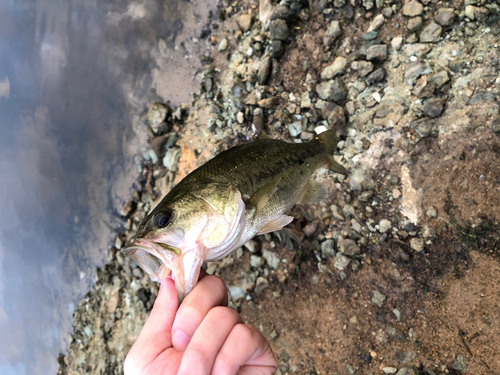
x=242, y=192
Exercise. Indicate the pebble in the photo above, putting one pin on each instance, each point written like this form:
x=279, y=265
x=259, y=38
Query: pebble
x=332, y=33
x=396, y=193
x=236, y=292
x=414, y=23
x=431, y=212
x=459, y=364
x=470, y=12
x=348, y=247
x=264, y=70
x=370, y=35
x=338, y=67
x=335, y=90
x=384, y=225
x=157, y=114
x=430, y=33
x=377, y=52
x=251, y=246
x=413, y=8
x=414, y=70
x=272, y=259
x=387, y=12
x=364, y=68
x=378, y=298
x=328, y=249
x=171, y=159
x=222, y=45
x=423, y=88
x=279, y=30
x=440, y=79
x=376, y=23
x=417, y=244
x=405, y=357
x=244, y=22
x=397, y=42
x=445, y=16
x=376, y=76
x=398, y=314
x=127, y=208
x=277, y=48
x=295, y=129
x=342, y=262
x=261, y=284
x=434, y=107
x=389, y=370
x=256, y=261
x=406, y=371
x=310, y=228
x=240, y=117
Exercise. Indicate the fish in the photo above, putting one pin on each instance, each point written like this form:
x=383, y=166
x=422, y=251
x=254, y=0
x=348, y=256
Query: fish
x=242, y=192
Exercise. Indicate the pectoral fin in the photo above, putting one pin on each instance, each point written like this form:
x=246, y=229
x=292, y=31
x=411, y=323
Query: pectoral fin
x=336, y=167
x=314, y=192
x=275, y=224
x=260, y=198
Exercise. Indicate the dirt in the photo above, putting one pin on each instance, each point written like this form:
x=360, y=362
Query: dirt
x=421, y=297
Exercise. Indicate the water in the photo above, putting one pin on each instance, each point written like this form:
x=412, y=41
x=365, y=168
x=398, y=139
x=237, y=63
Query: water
x=76, y=78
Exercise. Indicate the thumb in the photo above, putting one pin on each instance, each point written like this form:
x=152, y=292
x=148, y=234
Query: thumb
x=156, y=335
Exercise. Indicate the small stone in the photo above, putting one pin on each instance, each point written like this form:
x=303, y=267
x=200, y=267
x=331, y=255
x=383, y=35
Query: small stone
x=305, y=100
x=269, y=102
x=348, y=247
x=397, y=42
x=428, y=232
x=414, y=70
x=417, y=244
x=338, y=67
x=127, y=208
x=277, y=48
x=416, y=49
x=272, y=259
x=342, y=262
x=264, y=70
x=440, y=79
x=240, y=117
x=222, y=45
x=378, y=298
x=445, y=16
x=430, y=33
x=377, y=52
x=376, y=23
x=364, y=68
x=413, y=8
x=280, y=11
x=310, y=228
x=414, y=23
x=157, y=114
x=434, y=107
x=381, y=336
x=333, y=90
x=261, y=284
x=376, y=76
x=251, y=246
x=328, y=249
x=387, y=12
x=235, y=292
x=256, y=261
x=431, y=212
x=423, y=88
x=389, y=370
x=279, y=29
x=405, y=357
x=370, y=35
x=171, y=159
x=332, y=33
x=398, y=314
x=244, y=22
x=459, y=364
x=295, y=129
x=396, y=193
x=406, y=371
x=118, y=242
x=470, y=12
x=384, y=225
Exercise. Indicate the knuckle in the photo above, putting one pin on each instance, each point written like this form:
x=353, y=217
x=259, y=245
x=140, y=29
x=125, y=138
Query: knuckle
x=225, y=314
x=216, y=284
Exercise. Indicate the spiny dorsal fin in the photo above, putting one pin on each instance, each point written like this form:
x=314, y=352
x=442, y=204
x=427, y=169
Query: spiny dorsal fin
x=275, y=224
x=260, y=198
x=314, y=192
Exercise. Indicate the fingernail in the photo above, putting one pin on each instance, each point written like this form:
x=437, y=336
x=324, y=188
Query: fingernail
x=180, y=340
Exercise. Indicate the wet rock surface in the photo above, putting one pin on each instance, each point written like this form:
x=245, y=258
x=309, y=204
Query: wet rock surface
x=397, y=272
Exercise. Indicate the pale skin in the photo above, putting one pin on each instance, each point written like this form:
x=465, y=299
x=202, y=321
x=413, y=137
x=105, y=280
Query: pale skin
x=201, y=336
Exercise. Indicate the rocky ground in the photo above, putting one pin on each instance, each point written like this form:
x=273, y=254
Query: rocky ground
x=398, y=272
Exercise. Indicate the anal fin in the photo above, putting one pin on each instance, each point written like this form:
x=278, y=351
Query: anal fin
x=314, y=192
x=275, y=224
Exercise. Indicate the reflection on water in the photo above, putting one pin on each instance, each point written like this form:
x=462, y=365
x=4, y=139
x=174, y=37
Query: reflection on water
x=75, y=81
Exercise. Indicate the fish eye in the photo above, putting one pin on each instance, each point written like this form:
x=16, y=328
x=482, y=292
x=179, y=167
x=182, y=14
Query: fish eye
x=162, y=218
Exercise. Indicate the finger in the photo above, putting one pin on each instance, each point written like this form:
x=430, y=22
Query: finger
x=208, y=293
x=155, y=336
x=254, y=357
x=209, y=337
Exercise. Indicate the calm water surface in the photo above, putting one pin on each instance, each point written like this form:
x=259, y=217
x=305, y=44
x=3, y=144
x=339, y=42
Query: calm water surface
x=76, y=78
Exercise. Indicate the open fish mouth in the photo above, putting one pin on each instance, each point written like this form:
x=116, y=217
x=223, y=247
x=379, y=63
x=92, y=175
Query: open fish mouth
x=155, y=258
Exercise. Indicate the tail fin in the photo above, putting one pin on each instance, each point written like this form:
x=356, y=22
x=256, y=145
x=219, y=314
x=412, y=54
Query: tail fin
x=329, y=141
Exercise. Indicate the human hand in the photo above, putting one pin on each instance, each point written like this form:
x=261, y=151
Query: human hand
x=202, y=336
